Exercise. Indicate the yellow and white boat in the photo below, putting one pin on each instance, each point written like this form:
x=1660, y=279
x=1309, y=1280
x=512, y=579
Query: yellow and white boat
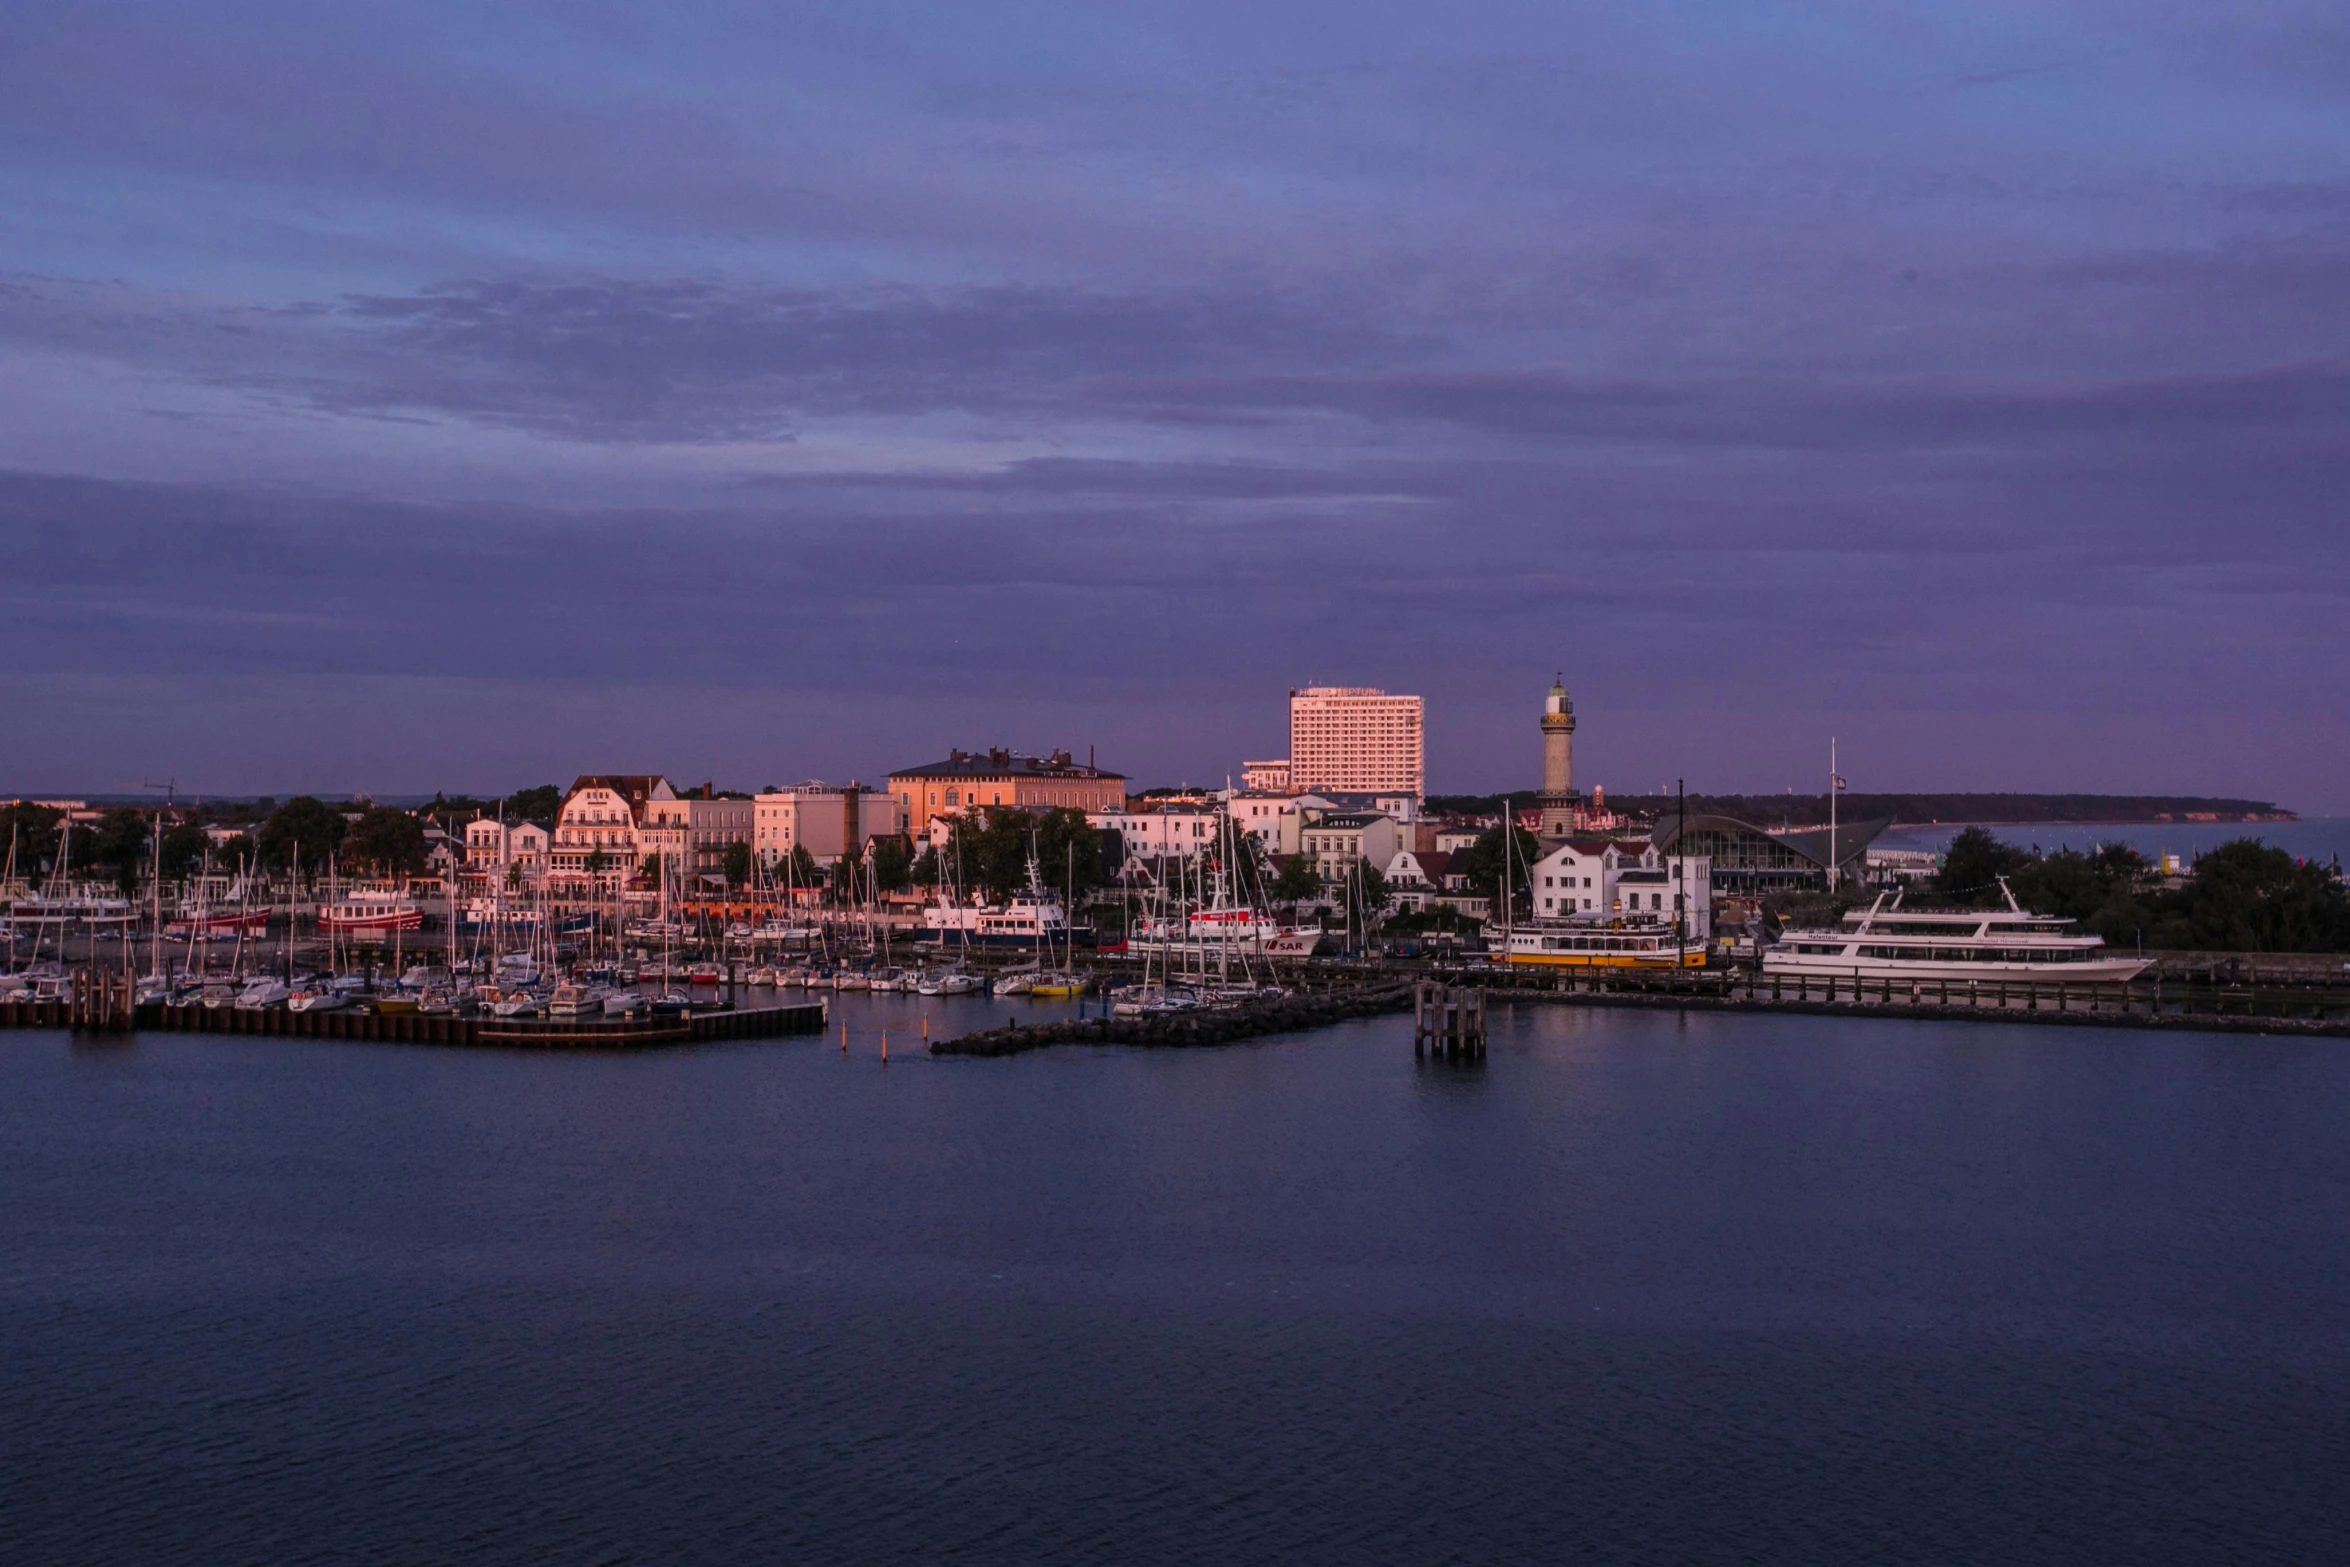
x=1616, y=943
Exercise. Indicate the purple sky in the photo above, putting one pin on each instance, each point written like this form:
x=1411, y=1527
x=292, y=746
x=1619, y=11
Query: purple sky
x=410, y=396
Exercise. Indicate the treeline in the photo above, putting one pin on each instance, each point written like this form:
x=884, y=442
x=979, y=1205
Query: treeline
x=121, y=846
x=2243, y=897
x=1811, y=810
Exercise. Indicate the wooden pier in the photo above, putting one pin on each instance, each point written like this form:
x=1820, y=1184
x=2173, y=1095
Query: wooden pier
x=419, y=1028
x=1448, y=1021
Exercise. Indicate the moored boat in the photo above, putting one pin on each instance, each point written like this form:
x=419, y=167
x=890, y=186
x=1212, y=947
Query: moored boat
x=1889, y=942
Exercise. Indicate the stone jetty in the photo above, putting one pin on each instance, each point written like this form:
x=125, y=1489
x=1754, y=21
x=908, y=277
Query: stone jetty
x=1206, y=1026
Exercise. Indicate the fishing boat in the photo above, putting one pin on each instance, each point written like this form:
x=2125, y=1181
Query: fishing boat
x=1886, y=941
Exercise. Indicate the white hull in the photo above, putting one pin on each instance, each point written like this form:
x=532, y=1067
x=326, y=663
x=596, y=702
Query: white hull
x=2095, y=971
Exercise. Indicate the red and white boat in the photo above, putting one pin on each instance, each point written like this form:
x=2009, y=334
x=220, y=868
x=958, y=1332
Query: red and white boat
x=218, y=925
x=369, y=913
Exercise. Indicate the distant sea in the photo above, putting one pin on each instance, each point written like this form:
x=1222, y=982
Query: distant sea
x=2313, y=838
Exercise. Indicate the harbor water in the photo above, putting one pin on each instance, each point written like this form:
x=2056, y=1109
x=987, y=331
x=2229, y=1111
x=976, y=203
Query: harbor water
x=1641, y=1287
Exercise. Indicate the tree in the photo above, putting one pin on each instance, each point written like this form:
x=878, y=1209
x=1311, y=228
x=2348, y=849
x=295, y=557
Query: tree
x=1298, y=882
x=34, y=828
x=1368, y=887
x=597, y=862
x=893, y=862
x=534, y=805
x=1973, y=864
x=1240, y=857
x=183, y=850
x=992, y=852
x=121, y=844
x=738, y=864
x=2246, y=897
x=1484, y=863
x=305, y=825
x=924, y=872
x=799, y=868
x=386, y=839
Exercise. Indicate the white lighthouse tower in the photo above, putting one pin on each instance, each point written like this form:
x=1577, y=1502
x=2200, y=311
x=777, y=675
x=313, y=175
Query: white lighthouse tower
x=1558, y=761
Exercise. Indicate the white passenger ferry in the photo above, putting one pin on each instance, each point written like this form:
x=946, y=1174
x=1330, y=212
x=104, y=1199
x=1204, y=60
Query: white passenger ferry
x=1614, y=943
x=1030, y=920
x=1224, y=929
x=1889, y=942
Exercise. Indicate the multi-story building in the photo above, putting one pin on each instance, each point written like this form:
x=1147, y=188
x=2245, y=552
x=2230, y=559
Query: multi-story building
x=1274, y=818
x=1265, y=777
x=999, y=777
x=1155, y=830
x=600, y=816
x=1356, y=739
x=693, y=832
x=492, y=845
x=825, y=819
x=1336, y=841
x=1609, y=878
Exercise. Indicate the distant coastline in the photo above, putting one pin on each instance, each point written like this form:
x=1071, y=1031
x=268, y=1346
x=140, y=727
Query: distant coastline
x=1924, y=810
x=1991, y=810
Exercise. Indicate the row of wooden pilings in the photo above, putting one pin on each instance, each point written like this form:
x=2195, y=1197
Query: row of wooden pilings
x=1448, y=1021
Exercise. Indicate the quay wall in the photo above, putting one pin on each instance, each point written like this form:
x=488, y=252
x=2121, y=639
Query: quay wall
x=416, y=1028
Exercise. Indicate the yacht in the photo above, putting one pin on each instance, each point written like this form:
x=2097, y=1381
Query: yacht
x=572, y=999
x=261, y=994
x=1886, y=941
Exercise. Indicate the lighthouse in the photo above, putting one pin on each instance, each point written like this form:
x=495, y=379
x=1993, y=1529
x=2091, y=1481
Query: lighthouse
x=1558, y=761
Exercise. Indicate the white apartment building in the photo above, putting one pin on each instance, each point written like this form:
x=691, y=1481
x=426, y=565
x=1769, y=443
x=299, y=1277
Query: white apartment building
x=492, y=845
x=601, y=815
x=1411, y=889
x=827, y=820
x=1603, y=879
x=1276, y=818
x=1337, y=840
x=1157, y=831
x=1356, y=739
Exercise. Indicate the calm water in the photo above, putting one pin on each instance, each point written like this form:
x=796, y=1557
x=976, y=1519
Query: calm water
x=1642, y=1289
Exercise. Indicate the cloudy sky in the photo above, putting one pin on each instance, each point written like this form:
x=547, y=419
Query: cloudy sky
x=461, y=396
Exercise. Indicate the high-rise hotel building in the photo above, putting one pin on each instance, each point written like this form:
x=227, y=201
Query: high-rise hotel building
x=1356, y=740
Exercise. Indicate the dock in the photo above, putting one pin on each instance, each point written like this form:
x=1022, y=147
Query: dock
x=419, y=1028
